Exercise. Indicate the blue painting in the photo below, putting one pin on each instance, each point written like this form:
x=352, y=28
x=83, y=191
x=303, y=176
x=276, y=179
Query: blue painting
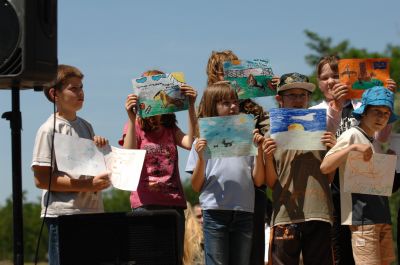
x=298, y=129
x=228, y=136
x=159, y=94
x=250, y=78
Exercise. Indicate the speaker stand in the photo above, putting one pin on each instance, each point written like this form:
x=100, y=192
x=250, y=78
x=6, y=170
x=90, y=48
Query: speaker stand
x=14, y=117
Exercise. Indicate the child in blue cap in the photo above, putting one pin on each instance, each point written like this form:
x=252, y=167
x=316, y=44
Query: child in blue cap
x=367, y=215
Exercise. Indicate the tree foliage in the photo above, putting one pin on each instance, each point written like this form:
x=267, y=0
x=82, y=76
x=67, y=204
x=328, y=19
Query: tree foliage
x=322, y=46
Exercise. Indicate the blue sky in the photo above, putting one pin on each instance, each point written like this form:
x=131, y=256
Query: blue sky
x=115, y=41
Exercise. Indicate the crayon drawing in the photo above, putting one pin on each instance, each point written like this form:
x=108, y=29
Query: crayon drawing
x=228, y=136
x=124, y=165
x=298, y=129
x=250, y=79
x=159, y=94
x=395, y=146
x=361, y=74
x=373, y=177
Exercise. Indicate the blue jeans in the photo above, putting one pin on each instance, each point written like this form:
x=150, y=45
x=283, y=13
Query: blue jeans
x=227, y=237
x=54, y=250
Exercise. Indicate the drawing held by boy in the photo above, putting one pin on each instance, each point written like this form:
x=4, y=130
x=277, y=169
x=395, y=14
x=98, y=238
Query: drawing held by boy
x=368, y=216
x=302, y=204
x=67, y=195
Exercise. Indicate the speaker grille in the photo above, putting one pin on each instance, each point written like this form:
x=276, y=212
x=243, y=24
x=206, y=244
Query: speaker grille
x=12, y=65
x=10, y=56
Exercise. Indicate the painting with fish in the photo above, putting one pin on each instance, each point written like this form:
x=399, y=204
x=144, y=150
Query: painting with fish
x=298, y=129
x=228, y=136
x=361, y=74
x=250, y=78
x=160, y=94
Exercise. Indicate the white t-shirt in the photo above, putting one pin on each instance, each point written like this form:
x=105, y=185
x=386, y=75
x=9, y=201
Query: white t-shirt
x=64, y=203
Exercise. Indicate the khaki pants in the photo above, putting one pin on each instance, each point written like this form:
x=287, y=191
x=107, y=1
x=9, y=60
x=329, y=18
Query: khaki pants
x=372, y=244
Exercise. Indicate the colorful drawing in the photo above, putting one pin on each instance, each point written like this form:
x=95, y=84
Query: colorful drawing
x=298, y=129
x=160, y=94
x=228, y=136
x=250, y=79
x=361, y=74
x=369, y=177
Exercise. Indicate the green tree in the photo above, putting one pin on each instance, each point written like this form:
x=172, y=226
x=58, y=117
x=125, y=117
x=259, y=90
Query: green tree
x=190, y=194
x=116, y=201
x=31, y=226
x=322, y=46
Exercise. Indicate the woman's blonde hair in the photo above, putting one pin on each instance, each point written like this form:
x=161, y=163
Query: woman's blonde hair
x=192, y=247
x=167, y=120
x=215, y=65
x=212, y=95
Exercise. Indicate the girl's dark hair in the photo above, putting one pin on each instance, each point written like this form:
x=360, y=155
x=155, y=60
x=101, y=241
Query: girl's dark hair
x=167, y=120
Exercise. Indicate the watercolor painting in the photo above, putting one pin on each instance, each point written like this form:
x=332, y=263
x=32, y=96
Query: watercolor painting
x=160, y=94
x=361, y=74
x=228, y=136
x=250, y=78
x=298, y=129
x=373, y=177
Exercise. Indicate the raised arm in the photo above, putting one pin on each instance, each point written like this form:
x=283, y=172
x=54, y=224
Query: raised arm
x=332, y=161
x=269, y=148
x=186, y=140
x=130, y=107
x=258, y=170
x=198, y=176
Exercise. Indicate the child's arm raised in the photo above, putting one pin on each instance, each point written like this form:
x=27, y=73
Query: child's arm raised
x=329, y=140
x=269, y=147
x=186, y=140
x=64, y=183
x=130, y=107
x=334, y=160
x=198, y=172
x=258, y=170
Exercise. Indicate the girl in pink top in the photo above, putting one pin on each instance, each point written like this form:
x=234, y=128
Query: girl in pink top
x=159, y=185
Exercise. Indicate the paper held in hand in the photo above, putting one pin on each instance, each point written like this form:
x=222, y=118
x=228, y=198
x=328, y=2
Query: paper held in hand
x=78, y=156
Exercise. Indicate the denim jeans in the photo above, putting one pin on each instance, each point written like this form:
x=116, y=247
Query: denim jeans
x=227, y=237
x=54, y=251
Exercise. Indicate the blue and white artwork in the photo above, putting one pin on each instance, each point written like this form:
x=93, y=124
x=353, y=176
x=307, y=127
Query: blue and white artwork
x=228, y=136
x=298, y=129
x=160, y=94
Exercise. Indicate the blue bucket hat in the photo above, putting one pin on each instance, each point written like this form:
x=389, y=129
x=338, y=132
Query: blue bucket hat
x=376, y=96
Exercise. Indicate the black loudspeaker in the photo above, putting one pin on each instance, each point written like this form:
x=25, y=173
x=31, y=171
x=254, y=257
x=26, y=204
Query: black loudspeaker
x=149, y=238
x=28, y=43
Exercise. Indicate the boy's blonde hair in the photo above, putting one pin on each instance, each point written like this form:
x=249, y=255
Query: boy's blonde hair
x=167, y=120
x=212, y=95
x=63, y=73
x=215, y=64
x=333, y=62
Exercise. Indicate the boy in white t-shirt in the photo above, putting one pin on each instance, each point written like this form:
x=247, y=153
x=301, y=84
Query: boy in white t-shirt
x=367, y=215
x=67, y=195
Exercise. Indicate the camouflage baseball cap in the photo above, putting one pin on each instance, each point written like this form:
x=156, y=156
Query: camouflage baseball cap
x=295, y=80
